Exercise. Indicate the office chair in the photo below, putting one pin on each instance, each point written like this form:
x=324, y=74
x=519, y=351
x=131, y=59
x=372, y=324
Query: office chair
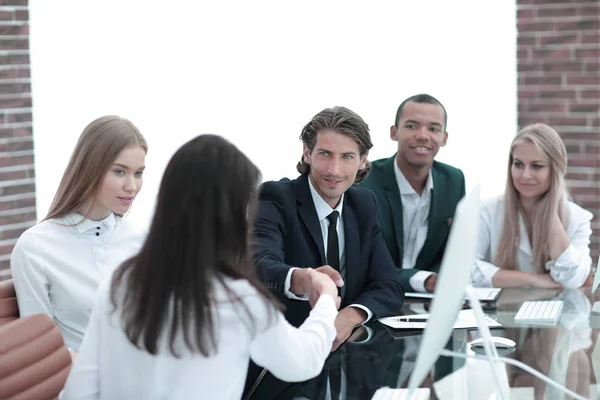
x=9, y=311
x=34, y=360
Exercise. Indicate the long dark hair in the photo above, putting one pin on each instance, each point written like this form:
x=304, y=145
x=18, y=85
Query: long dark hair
x=200, y=233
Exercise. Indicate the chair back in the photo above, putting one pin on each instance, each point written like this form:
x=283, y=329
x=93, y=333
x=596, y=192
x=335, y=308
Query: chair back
x=34, y=360
x=9, y=310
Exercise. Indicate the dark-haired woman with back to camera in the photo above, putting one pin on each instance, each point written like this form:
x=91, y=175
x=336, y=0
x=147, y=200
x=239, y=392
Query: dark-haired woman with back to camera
x=181, y=319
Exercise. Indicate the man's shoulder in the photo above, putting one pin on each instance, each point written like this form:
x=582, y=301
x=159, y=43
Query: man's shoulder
x=448, y=171
x=280, y=190
x=360, y=198
x=379, y=169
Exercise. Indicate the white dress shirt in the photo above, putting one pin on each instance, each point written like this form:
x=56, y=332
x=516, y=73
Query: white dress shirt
x=57, y=266
x=570, y=269
x=415, y=219
x=323, y=210
x=110, y=367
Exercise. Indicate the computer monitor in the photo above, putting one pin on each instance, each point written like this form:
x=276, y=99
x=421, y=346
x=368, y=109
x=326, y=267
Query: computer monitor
x=454, y=276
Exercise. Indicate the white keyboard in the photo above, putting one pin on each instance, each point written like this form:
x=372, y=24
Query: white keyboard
x=545, y=312
x=401, y=394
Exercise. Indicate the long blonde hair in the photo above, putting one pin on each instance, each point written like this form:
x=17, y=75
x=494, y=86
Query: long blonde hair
x=547, y=141
x=97, y=148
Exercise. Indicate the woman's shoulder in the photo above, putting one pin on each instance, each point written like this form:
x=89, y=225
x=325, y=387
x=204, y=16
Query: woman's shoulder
x=578, y=213
x=44, y=229
x=492, y=205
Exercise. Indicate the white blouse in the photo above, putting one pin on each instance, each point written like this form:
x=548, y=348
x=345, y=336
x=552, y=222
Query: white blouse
x=110, y=367
x=570, y=269
x=57, y=266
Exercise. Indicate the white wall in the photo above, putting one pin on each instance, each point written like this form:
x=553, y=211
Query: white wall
x=256, y=72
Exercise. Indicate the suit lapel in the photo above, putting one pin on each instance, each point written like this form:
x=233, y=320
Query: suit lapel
x=308, y=213
x=352, y=246
x=394, y=199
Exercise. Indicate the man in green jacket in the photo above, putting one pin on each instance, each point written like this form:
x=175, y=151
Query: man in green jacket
x=416, y=195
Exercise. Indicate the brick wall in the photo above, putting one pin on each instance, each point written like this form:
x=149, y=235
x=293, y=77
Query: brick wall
x=558, y=57
x=17, y=186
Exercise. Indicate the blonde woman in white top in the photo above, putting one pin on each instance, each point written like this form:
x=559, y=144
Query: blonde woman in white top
x=181, y=319
x=58, y=264
x=534, y=236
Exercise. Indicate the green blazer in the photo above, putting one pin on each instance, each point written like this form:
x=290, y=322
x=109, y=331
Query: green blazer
x=448, y=189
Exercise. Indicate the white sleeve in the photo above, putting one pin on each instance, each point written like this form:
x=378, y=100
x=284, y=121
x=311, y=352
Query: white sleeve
x=31, y=282
x=288, y=284
x=417, y=281
x=483, y=270
x=573, y=266
x=83, y=382
x=297, y=354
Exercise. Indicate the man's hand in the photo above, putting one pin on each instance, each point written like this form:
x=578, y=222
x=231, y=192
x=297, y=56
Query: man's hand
x=430, y=283
x=543, y=281
x=302, y=282
x=345, y=322
x=318, y=284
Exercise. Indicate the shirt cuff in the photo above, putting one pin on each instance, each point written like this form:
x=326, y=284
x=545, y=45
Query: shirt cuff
x=417, y=281
x=288, y=283
x=483, y=273
x=365, y=309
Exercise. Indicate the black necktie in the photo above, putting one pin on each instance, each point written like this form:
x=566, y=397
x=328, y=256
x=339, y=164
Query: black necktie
x=333, y=251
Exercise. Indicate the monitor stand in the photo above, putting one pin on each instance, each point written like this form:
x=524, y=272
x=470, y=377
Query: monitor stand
x=495, y=360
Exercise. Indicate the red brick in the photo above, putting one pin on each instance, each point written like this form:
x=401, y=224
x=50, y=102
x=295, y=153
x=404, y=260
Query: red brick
x=584, y=108
x=590, y=37
x=18, y=189
x=15, y=160
x=527, y=66
x=541, y=54
x=534, y=26
x=554, y=93
x=550, y=108
x=13, y=2
x=542, y=80
x=561, y=66
x=21, y=15
x=558, y=38
x=557, y=12
x=577, y=25
x=565, y=120
x=591, y=53
x=590, y=93
x=20, y=59
x=10, y=30
x=12, y=233
x=14, y=44
x=6, y=15
x=588, y=136
x=19, y=117
x=525, y=14
x=590, y=10
x=526, y=41
x=583, y=80
x=583, y=162
x=17, y=218
x=11, y=88
x=14, y=132
x=17, y=102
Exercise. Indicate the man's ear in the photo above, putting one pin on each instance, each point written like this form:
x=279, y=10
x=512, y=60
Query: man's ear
x=393, y=132
x=363, y=161
x=306, y=154
x=445, y=139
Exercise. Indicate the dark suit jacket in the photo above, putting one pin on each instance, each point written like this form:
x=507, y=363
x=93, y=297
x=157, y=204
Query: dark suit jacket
x=288, y=234
x=448, y=189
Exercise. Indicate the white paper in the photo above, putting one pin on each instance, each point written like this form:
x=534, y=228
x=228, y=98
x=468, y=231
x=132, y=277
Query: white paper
x=483, y=294
x=465, y=320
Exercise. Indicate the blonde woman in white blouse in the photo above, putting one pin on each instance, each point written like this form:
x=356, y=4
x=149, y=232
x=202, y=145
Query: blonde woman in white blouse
x=181, y=319
x=58, y=264
x=532, y=235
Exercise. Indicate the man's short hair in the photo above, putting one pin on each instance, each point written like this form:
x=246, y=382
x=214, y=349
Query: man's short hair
x=421, y=98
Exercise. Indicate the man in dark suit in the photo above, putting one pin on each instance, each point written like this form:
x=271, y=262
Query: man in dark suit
x=416, y=195
x=320, y=220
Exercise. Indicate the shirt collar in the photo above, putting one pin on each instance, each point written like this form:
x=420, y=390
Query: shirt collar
x=83, y=224
x=404, y=185
x=323, y=209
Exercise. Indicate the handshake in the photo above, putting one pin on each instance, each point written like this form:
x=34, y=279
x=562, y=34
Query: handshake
x=315, y=282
